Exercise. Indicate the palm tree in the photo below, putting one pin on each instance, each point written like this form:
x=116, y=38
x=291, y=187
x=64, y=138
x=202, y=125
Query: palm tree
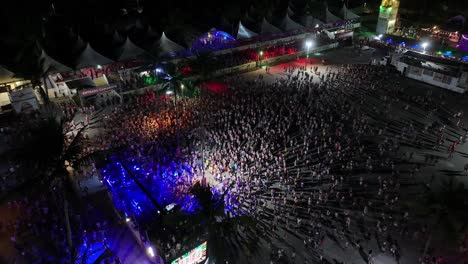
x=43, y=152
x=32, y=67
x=448, y=208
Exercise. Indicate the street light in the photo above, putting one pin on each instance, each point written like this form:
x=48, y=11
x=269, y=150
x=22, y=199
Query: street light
x=424, y=45
x=259, y=59
x=308, y=45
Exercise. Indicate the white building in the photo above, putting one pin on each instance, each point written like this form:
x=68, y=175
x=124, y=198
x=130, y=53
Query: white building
x=441, y=72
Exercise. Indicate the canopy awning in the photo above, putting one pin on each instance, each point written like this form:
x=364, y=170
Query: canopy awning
x=245, y=33
x=52, y=66
x=330, y=18
x=7, y=76
x=164, y=46
x=267, y=28
x=289, y=25
x=348, y=14
x=129, y=51
x=85, y=82
x=91, y=58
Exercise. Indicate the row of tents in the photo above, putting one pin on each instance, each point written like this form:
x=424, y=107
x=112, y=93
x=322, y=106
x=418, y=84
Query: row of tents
x=288, y=24
x=125, y=49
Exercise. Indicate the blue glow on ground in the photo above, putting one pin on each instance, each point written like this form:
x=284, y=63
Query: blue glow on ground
x=167, y=184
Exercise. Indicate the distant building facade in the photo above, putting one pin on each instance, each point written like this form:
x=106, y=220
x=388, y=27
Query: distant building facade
x=388, y=12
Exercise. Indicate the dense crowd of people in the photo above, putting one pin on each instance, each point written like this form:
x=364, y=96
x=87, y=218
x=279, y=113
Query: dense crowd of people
x=320, y=148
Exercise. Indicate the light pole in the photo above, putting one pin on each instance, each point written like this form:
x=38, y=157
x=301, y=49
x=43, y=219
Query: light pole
x=308, y=46
x=424, y=45
x=260, y=55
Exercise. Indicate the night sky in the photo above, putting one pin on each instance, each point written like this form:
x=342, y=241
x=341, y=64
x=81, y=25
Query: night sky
x=29, y=22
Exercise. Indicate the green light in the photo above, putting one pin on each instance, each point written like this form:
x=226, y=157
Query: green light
x=261, y=53
x=439, y=52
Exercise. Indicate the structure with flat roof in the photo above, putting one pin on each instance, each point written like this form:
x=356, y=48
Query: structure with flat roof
x=438, y=71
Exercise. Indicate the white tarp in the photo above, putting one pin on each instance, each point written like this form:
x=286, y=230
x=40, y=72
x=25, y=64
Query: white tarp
x=129, y=51
x=91, y=58
x=245, y=33
x=289, y=25
x=331, y=18
x=164, y=46
x=267, y=28
x=348, y=14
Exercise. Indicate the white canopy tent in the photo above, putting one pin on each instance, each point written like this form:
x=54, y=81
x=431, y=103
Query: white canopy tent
x=50, y=65
x=164, y=46
x=289, y=25
x=129, y=51
x=117, y=39
x=245, y=33
x=289, y=11
x=91, y=58
x=7, y=76
x=348, y=14
x=310, y=22
x=150, y=33
x=267, y=28
x=330, y=18
x=79, y=45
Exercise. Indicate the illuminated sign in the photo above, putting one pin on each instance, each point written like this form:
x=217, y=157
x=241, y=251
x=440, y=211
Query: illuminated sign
x=194, y=256
x=96, y=90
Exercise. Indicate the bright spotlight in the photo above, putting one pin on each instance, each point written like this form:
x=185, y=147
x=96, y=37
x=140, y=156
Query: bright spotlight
x=150, y=251
x=158, y=70
x=424, y=45
x=127, y=219
x=308, y=44
x=169, y=92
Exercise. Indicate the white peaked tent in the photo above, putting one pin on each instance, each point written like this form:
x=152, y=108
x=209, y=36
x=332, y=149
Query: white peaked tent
x=247, y=18
x=79, y=45
x=91, y=58
x=348, y=14
x=267, y=28
x=138, y=24
x=150, y=33
x=52, y=66
x=129, y=51
x=310, y=22
x=117, y=39
x=289, y=11
x=289, y=25
x=164, y=46
x=252, y=9
x=330, y=18
x=7, y=76
x=245, y=33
